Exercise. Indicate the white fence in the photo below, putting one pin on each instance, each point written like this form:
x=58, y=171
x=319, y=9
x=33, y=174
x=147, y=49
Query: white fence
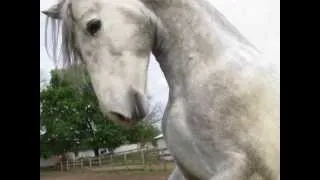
x=130, y=160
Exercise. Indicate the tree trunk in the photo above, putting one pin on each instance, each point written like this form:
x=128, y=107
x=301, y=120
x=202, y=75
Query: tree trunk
x=76, y=153
x=96, y=152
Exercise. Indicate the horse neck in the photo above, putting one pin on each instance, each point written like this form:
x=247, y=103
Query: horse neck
x=192, y=37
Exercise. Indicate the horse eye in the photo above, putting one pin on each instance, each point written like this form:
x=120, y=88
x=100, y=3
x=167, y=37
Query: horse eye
x=93, y=26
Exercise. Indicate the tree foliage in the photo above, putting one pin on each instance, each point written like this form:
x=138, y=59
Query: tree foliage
x=72, y=119
x=61, y=117
x=142, y=132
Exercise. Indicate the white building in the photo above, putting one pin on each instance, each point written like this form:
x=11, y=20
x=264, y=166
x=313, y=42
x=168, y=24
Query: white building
x=50, y=162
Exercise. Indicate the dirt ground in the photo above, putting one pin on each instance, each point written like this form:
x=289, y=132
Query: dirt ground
x=89, y=175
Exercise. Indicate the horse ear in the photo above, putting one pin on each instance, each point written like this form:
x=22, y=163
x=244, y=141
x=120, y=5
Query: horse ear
x=53, y=11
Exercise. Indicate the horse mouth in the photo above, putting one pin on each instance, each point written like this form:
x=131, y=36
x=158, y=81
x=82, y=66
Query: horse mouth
x=120, y=118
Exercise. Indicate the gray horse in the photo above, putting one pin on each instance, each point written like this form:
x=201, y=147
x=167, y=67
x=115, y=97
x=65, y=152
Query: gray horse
x=222, y=121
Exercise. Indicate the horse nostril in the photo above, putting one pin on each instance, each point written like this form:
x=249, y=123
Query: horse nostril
x=139, y=105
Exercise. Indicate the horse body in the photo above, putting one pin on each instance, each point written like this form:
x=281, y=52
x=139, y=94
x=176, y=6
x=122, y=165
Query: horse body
x=222, y=117
x=222, y=108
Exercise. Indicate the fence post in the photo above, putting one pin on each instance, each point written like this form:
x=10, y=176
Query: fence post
x=164, y=165
x=125, y=160
x=149, y=158
x=74, y=163
x=81, y=162
x=142, y=156
x=142, y=159
x=89, y=162
x=67, y=165
x=99, y=161
x=61, y=166
x=111, y=162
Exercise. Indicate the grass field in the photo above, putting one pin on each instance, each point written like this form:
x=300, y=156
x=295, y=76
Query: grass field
x=106, y=174
x=137, y=168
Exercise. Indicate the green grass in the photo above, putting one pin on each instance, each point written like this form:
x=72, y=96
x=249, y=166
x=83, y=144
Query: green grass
x=135, y=172
x=156, y=170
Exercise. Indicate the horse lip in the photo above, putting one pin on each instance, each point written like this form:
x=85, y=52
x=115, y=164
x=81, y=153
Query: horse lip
x=119, y=117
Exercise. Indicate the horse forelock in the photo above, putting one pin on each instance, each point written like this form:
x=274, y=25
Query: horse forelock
x=64, y=49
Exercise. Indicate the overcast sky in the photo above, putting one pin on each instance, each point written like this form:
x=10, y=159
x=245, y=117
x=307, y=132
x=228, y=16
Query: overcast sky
x=258, y=20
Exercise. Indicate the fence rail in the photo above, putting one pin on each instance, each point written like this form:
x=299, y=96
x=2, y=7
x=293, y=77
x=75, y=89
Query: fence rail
x=144, y=159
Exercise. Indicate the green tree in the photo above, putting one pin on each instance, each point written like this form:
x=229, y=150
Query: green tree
x=71, y=116
x=142, y=133
x=60, y=117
